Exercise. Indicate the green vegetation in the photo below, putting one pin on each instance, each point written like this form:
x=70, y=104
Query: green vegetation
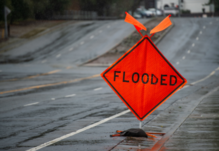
x=31, y=9
x=27, y=10
x=216, y=4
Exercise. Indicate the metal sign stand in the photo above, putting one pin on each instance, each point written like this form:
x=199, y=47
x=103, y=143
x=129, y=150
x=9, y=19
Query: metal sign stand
x=140, y=124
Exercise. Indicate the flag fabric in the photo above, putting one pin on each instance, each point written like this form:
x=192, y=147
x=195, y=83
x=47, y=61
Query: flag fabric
x=139, y=26
x=163, y=25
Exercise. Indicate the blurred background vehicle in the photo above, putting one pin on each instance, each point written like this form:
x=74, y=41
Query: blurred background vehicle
x=144, y=12
x=155, y=11
x=170, y=11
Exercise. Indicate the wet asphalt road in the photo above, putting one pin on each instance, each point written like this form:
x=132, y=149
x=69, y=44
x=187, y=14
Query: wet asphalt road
x=49, y=96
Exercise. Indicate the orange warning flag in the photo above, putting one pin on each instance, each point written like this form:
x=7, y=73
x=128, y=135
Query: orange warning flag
x=163, y=25
x=139, y=26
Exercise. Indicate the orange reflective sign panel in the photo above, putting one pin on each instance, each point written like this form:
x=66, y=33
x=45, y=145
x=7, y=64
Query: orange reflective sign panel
x=143, y=78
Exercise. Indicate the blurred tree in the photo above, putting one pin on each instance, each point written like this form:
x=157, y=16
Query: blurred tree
x=109, y=7
x=35, y=9
x=43, y=9
x=216, y=4
x=2, y=4
x=20, y=10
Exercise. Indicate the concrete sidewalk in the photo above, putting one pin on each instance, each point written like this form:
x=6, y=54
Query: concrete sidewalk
x=190, y=123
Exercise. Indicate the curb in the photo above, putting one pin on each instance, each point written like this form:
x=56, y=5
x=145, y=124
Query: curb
x=164, y=34
x=103, y=65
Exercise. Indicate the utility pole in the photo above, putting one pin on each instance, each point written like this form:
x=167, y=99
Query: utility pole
x=6, y=12
x=179, y=7
x=155, y=8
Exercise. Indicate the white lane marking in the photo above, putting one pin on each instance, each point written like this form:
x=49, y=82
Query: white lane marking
x=100, y=31
x=188, y=51
x=203, y=27
x=82, y=43
x=212, y=73
x=210, y=23
x=217, y=69
x=193, y=45
x=32, y=104
x=177, y=62
x=87, y=127
x=98, y=89
x=78, y=131
x=53, y=99
x=183, y=57
x=197, y=38
x=71, y=95
x=59, y=55
x=43, y=61
x=91, y=37
x=200, y=32
x=70, y=49
x=108, y=26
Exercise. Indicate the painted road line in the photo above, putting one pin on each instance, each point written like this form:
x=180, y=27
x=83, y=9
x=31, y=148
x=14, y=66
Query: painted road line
x=49, y=85
x=210, y=23
x=208, y=76
x=188, y=51
x=59, y=55
x=43, y=61
x=78, y=131
x=70, y=49
x=32, y=104
x=203, y=27
x=68, y=96
x=177, y=62
x=98, y=89
x=193, y=45
x=69, y=67
x=100, y=31
x=34, y=76
x=200, y=32
x=183, y=57
x=197, y=38
x=108, y=26
x=91, y=37
x=82, y=43
x=53, y=99
x=84, y=129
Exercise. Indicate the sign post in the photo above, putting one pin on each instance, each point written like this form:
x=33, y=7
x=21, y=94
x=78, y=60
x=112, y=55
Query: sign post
x=6, y=12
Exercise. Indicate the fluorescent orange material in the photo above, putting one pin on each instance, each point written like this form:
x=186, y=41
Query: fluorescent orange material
x=143, y=78
x=163, y=25
x=133, y=21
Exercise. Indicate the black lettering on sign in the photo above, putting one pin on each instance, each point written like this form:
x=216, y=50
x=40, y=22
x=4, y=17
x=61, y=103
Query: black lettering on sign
x=156, y=79
x=135, y=81
x=142, y=79
x=124, y=77
x=171, y=77
x=116, y=75
x=162, y=79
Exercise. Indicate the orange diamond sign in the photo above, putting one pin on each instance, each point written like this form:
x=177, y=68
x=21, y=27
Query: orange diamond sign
x=143, y=78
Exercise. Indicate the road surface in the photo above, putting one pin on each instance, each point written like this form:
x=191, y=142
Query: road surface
x=47, y=102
